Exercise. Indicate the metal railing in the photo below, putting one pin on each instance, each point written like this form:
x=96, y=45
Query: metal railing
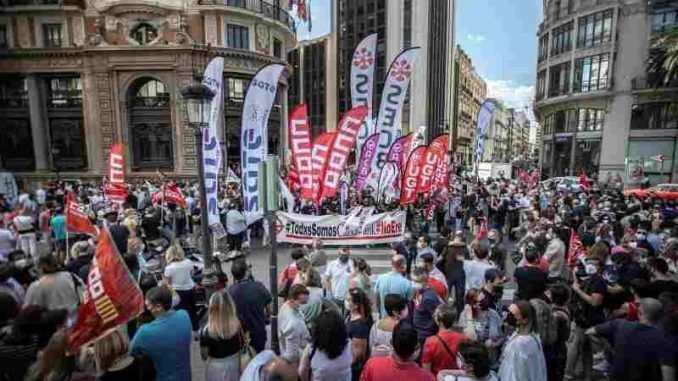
x=271, y=10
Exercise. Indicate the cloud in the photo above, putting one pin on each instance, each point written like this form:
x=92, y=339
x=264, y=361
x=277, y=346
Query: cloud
x=475, y=38
x=514, y=95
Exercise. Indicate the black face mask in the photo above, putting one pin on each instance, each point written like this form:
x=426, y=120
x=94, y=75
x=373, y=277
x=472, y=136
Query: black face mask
x=511, y=320
x=343, y=258
x=498, y=291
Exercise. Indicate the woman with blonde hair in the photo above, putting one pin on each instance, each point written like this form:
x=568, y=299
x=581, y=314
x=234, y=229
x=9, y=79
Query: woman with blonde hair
x=221, y=340
x=179, y=276
x=114, y=362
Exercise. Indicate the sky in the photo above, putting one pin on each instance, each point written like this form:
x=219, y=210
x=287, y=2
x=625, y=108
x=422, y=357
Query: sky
x=498, y=35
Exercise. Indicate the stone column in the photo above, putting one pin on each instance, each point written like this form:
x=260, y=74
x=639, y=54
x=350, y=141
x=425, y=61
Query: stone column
x=39, y=131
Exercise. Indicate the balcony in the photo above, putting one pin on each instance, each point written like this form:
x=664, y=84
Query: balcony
x=270, y=10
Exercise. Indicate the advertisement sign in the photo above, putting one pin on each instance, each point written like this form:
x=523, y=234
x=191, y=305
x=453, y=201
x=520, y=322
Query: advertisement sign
x=300, y=142
x=337, y=230
x=254, y=139
x=343, y=144
x=392, y=100
x=362, y=83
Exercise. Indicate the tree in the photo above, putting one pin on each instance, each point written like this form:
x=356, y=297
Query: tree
x=662, y=65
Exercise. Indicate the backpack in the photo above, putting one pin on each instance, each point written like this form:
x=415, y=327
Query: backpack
x=548, y=331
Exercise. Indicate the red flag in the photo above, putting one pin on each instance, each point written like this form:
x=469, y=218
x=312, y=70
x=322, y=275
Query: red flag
x=412, y=171
x=584, y=180
x=321, y=151
x=116, y=193
x=343, y=144
x=523, y=176
x=439, y=183
x=434, y=155
x=171, y=193
x=534, y=179
x=112, y=297
x=576, y=250
x=293, y=180
x=116, y=173
x=300, y=142
x=77, y=220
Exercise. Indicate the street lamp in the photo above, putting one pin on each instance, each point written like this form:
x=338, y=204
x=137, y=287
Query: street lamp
x=198, y=100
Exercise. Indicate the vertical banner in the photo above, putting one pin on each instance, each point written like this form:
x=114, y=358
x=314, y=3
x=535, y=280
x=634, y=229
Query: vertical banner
x=300, y=141
x=362, y=83
x=344, y=143
x=412, y=170
x=484, y=117
x=213, y=78
x=389, y=173
x=392, y=99
x=439, y=183
x=434, y=155
x=400, y=150
x=321, y=151
x=254, y=138
x=419, y=139
x=112, y=298
x=367, y=153
x=116, y=190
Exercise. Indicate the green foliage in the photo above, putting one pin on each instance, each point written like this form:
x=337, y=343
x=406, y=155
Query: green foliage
x=662, y=65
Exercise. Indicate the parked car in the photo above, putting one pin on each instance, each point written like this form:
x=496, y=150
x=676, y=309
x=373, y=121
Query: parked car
x=665, y=192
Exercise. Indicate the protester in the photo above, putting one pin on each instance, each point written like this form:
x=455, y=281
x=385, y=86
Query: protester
x=360, y=277
x=424, y=246
x=440, y=351
x=114, y=363
x=523, y=357
x=314, y=306
x=266, y=366
x=289, y=273
x=479, y=322
x=382, y=331
x=317, y=256
x=292, y=330
x=358, y=324
x=530, y=278
x=221, y=339
x=329, y=356
x=253, y=304
x=392, y=282
x=401, y=365
x=57, y=226
x=474, y=364
x=179, y=276
x=424, y=306
x=493, y=289
x=475, y=268
x=54, y=364
x=23, y=224
x=452, y=265
x=337, y=276
x=54, y=290
x=167, y=339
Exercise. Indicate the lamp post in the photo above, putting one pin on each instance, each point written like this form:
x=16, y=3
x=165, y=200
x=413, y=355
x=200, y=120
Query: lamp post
x=198, y=100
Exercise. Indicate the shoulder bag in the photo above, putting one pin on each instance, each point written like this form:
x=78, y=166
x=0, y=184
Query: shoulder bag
x=246, y=352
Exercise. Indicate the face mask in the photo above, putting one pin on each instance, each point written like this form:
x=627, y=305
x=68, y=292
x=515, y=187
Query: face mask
x=640, y=237
x=590, y=269
x=511, y=320
x=343, y=258
x=633, y=244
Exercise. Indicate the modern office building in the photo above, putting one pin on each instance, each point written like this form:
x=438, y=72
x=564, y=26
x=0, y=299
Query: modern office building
x=519, y=134
x=313, y=80
x=428, y=24
x=470, y=92
x=497, y=136
x=77, y=76
x=599, y=108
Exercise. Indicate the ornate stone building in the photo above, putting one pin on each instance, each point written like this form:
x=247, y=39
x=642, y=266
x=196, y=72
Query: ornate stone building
x=78, y=75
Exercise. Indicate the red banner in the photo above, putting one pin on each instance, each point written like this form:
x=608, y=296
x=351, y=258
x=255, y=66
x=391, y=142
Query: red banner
x=321, y=151
x=434, y=155
x=112, y=297
x=172, y=194
x=116, y=191
x=438, y=191
x=576, y=250
x=300, y=142
x=399, y=151
x=77, y=220
x=347, y=133
x=412, y=171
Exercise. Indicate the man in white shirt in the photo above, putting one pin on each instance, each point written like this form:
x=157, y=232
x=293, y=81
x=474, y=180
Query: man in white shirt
x=235, y=227
x=337, y=276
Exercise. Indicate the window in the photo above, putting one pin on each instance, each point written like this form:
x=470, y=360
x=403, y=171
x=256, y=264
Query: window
x=236, y=3
x=661, y=115
x=13, y=92
x=150, y=125
x=664, y=16
x=590, y=119
x=237, y=88
x=559, y=80
x=562, y=39
x=238, y=37
x=590, y=73
x=144, y=34
x=407, y=24
x=574, y=120
x=543, y=47
x=541, y=85
x=556, y=10
x=594, y=29
x=52, y=35
x=65, y=92
x=277, y=48
x=4, y=38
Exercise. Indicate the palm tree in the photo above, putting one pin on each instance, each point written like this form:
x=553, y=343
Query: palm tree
x=662, y=65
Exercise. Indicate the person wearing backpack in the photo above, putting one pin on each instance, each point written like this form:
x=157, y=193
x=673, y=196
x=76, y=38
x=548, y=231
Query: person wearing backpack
x=545, y=326
x=559, y=295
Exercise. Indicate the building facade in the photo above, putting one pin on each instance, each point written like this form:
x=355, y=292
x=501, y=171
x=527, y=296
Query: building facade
x=313, y=80
x=519, y=134
x=497, y=136
x=599, y=109
x=428, y=24
x=76, y=77
x=470, y=92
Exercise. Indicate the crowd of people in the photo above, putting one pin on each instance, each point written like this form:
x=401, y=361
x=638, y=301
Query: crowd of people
x=506, y=281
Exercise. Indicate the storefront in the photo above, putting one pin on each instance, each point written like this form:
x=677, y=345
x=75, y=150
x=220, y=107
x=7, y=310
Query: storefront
x=641, y=152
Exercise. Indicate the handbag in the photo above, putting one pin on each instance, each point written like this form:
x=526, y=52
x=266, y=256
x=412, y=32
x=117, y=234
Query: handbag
x=246, y=352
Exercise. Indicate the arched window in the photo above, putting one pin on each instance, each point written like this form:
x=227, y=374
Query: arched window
x=144, y=33
x=150, y=126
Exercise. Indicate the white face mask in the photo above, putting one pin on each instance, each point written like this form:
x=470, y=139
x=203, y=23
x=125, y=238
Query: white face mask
x=590, y=269
x=633, y=244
